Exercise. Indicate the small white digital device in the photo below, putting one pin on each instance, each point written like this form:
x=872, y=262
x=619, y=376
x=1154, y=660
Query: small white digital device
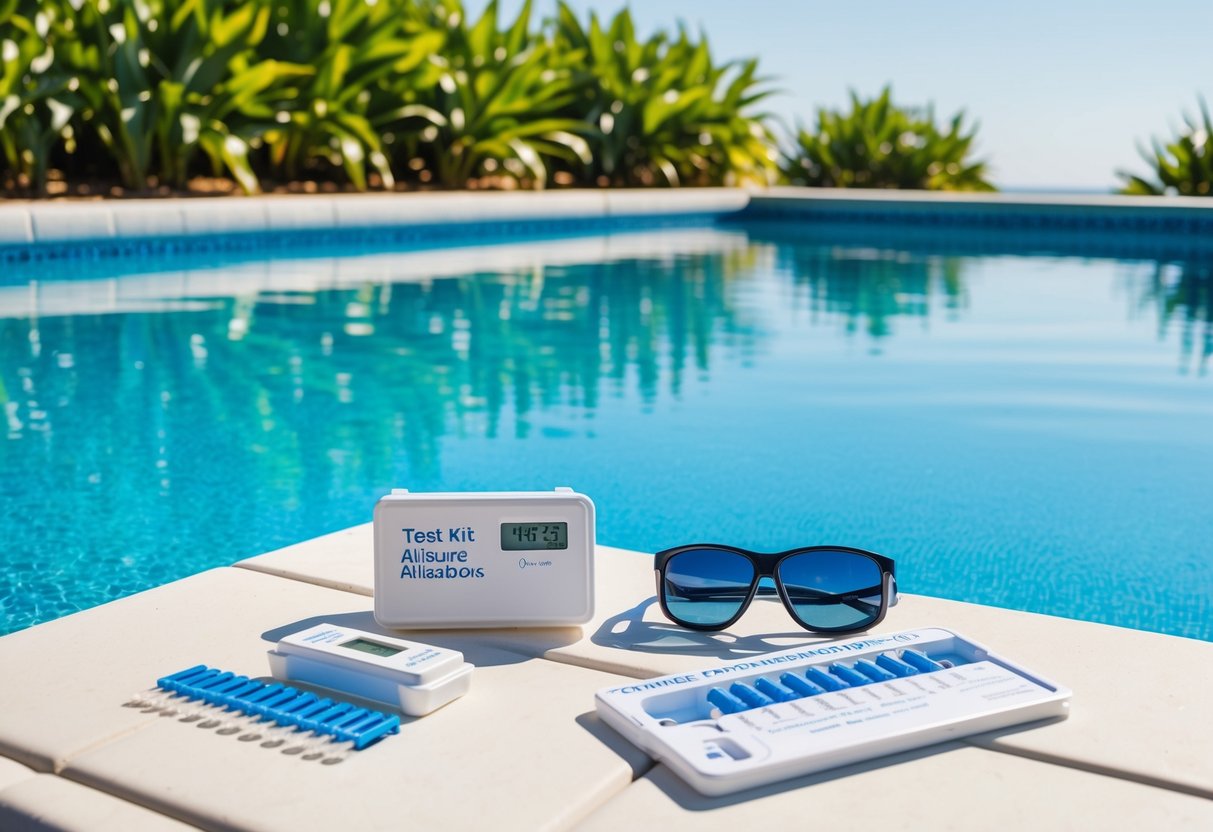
x=416, y=678
x=484, y=559
x=770, y=717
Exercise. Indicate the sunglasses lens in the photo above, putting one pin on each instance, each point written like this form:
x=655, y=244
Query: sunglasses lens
x=706, y=586
x=832, y=590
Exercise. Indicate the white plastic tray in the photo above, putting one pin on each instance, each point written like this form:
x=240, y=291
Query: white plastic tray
x=719, y=752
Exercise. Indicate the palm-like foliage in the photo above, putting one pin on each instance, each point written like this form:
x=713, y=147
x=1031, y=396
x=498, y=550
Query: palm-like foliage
x=369, y=91
x=492, y=102
x=1184, y=166
x=361, y=58
x=666, y=114
x=37, y=97
x=165, y=78
x=880, y=145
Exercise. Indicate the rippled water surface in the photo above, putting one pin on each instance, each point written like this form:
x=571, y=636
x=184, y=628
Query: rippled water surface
x=1033, y=432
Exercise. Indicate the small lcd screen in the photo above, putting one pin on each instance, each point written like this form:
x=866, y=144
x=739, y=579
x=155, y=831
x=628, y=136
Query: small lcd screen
x=521, y=537
x=372, y=647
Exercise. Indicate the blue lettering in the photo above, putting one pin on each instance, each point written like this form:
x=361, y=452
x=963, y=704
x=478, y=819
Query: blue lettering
x=461, y=534
x=421, y=536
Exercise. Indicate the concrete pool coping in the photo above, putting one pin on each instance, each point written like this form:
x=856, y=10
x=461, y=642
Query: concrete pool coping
x=73, y=222
x=1134, y=746
x=29, y=226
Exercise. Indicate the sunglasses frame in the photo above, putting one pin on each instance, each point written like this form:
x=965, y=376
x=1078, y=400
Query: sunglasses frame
x=766, y=565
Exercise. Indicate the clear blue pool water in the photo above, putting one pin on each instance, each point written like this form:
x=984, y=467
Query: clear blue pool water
x=1033, y=432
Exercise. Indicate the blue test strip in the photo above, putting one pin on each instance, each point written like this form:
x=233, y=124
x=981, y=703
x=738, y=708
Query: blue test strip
x=216, y=695
x=249, y=702
x=802, y=687
x=342, y=727
x=266, y=707
x=819, y=677
x=726, y=702
x=325, y=717
x=920, y=660
x=751, y=697
x=352, y=728
x=876, y=674
x=776, y=690
x=168, y=682
x=230, y=698
x=389, y=725
x=284, y=705
x=220, y=678
x=308, y=711
x=851, y=677
x=285, y=714
x=181, y=682
x=895, y=665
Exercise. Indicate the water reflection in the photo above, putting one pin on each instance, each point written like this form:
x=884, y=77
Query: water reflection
x=172, y=434
x=397, y=365
x=1182, y=296
x=872, y=275
x=160, y=424
x=868, y=288
x=410, y=360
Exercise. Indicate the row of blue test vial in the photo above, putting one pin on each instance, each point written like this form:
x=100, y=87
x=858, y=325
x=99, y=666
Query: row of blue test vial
x=814, y=681
x=282, y=705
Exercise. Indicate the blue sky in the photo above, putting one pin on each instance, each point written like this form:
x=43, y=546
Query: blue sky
x=1063, y=90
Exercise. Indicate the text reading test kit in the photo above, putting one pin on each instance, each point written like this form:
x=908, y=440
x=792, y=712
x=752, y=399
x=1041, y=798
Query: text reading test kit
x=791, y=713
x=492, y=559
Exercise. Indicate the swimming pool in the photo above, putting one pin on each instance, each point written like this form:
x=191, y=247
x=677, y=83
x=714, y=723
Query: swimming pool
x=1028, y=431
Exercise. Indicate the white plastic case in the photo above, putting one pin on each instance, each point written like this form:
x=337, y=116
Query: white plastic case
x=672, y=719
x=416, y=678
x=488, y=559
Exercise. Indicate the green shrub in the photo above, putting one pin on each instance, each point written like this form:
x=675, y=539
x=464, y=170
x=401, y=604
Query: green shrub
x=167, y=78
x=1184, y=166
x=372, y=91
x=38, y=99
x=362, y=59
x=880, y=145
x=665, y=113
x=492, y=102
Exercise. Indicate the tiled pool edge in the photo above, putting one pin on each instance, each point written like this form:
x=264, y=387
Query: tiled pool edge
x=37, y=231
x=40, y=231
x=1101, y=226
x=989, y=210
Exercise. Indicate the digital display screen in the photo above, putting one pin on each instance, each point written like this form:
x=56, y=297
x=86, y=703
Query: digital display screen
x=522, y=537
x=372, y=647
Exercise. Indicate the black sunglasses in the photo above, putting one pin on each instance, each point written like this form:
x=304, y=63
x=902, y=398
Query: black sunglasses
x=827, y=589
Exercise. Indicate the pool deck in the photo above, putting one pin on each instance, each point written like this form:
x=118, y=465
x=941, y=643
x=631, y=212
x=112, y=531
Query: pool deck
x=524, y=750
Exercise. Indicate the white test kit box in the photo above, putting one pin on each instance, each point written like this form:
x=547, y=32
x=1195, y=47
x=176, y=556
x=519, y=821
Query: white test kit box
x=780, y=715
x=416, y=678
x=484, y=559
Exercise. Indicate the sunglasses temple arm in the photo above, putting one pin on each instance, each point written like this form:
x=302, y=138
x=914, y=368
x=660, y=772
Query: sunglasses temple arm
x=699, y=594
x=854, y=599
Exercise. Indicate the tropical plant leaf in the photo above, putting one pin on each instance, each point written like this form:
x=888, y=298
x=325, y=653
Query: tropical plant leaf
x=1183, y=166
x=877, y=144
x=664, y=112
